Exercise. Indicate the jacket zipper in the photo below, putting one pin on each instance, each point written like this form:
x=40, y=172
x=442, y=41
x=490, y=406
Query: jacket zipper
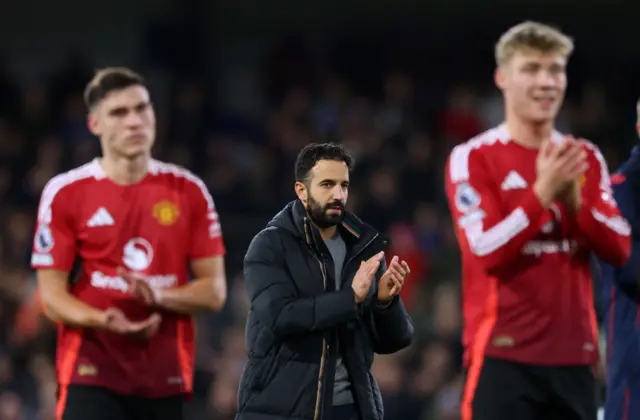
x=324, y=346
x=323, y=358
x=346, y=264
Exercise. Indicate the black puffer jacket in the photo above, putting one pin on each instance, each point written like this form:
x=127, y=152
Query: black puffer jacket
x=297, y=315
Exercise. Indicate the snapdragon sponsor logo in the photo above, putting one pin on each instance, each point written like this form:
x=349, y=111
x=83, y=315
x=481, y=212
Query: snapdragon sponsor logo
x=103, y=281
x=538, y=248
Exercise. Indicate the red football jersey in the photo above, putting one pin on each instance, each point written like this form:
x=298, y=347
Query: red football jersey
x=154, y=227
x=527, y=287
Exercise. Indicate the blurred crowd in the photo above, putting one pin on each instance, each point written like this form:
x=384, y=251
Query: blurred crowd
x=400, y=141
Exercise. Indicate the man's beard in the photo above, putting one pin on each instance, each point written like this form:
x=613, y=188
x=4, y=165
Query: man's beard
x=321, y=216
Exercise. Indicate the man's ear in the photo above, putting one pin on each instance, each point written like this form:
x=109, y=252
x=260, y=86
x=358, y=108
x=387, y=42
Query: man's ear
x=301, y=192
x=92, y=123
x=498, y=78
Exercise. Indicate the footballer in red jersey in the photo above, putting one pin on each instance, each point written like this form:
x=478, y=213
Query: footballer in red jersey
x=136, y=228
x=530, y=205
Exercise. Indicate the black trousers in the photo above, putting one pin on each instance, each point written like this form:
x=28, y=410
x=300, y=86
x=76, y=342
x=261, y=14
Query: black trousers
x=503, y=390
x=79, y=402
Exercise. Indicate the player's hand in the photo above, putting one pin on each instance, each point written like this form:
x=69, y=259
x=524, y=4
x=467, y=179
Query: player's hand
x=391, y=282
x=118, y=323
x=571, y=196
x=363, y=279
x=140, y=288
x=557, y=165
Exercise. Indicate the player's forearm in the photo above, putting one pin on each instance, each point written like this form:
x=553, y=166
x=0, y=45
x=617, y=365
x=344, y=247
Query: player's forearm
x=497, y=245
x=66, y=309
x=200, y=295
x=607, y=232
x=601, y=217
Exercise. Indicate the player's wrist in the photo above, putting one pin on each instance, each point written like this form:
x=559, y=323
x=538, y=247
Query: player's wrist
x=383, y=300
x=158, y=296
x=97, y=319
x=544, y=193
x=573, y=201
x=384, y=304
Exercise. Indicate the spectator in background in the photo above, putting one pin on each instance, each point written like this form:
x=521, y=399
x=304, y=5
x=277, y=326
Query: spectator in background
x=460, y=120
x=404, y=244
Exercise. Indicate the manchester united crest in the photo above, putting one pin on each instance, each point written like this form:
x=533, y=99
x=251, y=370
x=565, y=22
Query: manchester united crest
x=166, y=212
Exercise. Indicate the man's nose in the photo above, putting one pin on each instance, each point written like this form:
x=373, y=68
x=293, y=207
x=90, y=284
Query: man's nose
x=339, y=193
x=546, y=79
x=133, y=119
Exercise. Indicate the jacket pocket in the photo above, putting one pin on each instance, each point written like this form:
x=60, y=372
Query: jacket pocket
x=248, y=382
x=260, y=371
x=253, y=371
x=290, y=394
x=278, y=358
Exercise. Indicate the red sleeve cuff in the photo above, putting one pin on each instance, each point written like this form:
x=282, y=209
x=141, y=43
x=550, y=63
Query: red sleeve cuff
x=216, y=251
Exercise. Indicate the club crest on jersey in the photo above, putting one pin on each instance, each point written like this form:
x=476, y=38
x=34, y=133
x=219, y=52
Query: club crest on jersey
x=466, y=198
x=44, y=239
x=166, y=212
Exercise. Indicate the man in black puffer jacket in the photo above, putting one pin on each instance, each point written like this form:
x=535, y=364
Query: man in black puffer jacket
x=322, y=303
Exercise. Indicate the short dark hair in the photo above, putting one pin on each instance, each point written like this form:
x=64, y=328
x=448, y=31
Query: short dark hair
x=108, y=80
x=312, y=153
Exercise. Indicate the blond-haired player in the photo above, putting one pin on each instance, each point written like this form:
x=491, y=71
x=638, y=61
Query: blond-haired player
x=530, y=205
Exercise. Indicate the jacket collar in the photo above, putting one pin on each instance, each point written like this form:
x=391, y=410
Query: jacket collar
x=351, y=224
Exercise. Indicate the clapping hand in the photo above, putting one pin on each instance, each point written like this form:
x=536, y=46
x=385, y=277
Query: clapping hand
x=571, y=197
x=140, y=288
x=363, y=279
x=115, y=321
x=392, y=280
x=571, y=194
x=559, y=167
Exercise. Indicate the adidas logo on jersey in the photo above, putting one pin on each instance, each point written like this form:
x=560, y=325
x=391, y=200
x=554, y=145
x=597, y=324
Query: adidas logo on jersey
x=513, y=181
x=101, y=218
